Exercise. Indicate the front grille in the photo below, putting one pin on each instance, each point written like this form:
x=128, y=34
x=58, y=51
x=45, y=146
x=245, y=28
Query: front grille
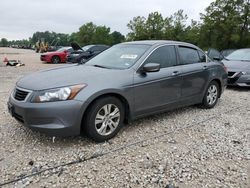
x=230, y=74
x=20, y=95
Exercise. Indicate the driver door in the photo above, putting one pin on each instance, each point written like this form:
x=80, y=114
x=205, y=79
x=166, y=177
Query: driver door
x=155, y=90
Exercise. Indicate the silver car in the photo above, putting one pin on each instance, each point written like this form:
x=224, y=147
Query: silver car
x=127, y=81
x=238, y=65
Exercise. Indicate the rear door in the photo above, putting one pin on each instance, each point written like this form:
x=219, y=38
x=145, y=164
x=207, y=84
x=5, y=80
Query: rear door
x=155, y=90
x=195, y=72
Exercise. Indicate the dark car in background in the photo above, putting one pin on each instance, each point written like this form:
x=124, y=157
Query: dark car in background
x=216, y=55
x=238, y=65
x=226, y=52
x=58, y=56
x=127, y=81
x=82, y=55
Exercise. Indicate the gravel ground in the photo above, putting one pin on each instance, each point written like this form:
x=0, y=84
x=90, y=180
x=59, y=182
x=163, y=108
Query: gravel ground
x=188, y=147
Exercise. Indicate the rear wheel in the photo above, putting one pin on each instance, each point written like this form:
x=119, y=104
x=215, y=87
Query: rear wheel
x=104, y=119
x=211, y=96
x=55, y=60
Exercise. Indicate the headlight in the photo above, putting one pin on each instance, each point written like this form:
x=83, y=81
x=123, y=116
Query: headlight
x=75, y=55
x=58, y=94
x=246, y=73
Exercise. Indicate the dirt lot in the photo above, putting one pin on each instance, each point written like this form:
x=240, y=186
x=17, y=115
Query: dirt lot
x=188, y=147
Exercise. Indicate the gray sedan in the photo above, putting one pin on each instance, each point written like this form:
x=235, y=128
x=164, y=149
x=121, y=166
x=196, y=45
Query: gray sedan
x=127, y=81
x=238, y=65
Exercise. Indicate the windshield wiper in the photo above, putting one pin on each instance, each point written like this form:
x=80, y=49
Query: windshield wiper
x=100, y=66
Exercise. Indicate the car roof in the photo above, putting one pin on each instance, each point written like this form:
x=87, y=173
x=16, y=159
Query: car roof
x=65, y=47
x=160, y=42
x=243, y=49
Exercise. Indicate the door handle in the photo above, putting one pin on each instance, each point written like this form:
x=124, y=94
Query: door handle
x=175, y=73
x=205, y=67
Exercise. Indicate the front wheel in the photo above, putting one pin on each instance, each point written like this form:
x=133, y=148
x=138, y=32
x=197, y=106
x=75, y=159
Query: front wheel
x=104, y=119
x=55, y=60
x=211, y=96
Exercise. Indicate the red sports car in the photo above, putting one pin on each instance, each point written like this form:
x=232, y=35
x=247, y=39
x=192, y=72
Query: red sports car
x=58, y=56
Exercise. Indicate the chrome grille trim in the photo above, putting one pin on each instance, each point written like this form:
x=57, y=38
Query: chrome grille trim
x=20, y=94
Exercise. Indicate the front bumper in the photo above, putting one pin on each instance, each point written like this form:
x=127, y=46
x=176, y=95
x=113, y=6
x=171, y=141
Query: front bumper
x=238, y=79
x=52, y=118
x=45, y=58
x=72, y=59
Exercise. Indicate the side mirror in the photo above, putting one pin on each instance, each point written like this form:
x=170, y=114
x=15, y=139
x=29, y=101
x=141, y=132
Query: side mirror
x=218, y=58
x=90, y=52
x=151, y=67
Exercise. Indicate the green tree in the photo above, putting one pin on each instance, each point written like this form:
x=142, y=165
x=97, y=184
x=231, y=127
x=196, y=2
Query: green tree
x=138, y=29
x=85, y=34
x=179, y=25
x=168, y=28
x=4, y=42
x=101, y=35
x=90, y=33
x=117, y=37
x=226, y=24
x=52, y=38
x=192, y=33
x=155, y=26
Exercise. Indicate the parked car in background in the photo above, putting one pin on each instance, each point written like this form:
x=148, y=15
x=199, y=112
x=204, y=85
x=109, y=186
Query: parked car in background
x=216, y=55
x=82, y=55
x=54, y=48
x=127, y=81
x=226, y=52
x=58, y=56
x=238, y=65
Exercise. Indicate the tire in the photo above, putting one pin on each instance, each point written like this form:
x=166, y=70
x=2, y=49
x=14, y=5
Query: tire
x=55, y=60
x=211, y=96
x=99, y=123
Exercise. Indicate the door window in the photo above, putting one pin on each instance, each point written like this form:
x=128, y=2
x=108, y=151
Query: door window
x=188, y=55
x=165, y=56
x=202, y=57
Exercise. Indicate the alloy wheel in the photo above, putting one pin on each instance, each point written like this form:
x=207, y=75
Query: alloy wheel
x=107, y=119
x=212, y=94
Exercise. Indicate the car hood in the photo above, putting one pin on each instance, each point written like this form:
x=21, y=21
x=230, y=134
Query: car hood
x=79, y=52
x=237, y=65
x=51, y=53
x=75, y=46
x=66, y=76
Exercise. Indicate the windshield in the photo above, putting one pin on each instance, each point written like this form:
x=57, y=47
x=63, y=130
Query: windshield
x=62, y=49
x=120, y=56
x=85, y=48
x=240, y=55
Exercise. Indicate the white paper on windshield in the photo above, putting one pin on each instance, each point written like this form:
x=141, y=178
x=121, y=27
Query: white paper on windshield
x=128, y=56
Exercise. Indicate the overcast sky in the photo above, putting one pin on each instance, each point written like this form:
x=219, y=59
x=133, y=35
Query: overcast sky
x=19, y=19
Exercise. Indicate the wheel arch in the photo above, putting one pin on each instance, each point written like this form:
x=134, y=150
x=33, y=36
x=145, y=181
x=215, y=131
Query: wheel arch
x=119, y=96
x=218, y=81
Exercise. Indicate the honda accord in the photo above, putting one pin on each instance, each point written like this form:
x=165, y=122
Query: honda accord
x=127, y=81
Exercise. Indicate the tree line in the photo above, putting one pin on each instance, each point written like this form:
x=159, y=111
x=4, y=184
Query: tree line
x=225, y=24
